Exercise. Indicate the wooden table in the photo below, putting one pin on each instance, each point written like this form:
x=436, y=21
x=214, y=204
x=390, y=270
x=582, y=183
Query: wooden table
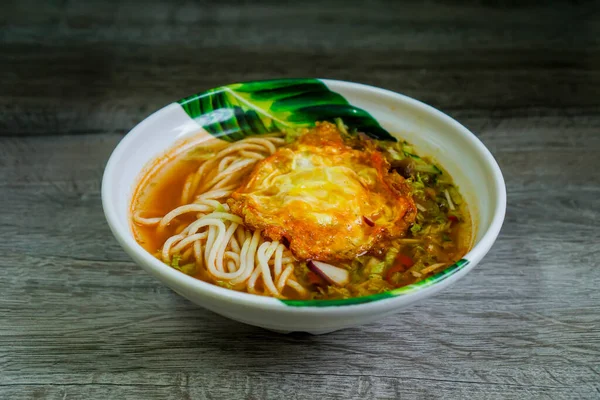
x=78, y=320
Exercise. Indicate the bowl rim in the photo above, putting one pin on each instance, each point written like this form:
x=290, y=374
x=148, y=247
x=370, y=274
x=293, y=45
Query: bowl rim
x=168, y=274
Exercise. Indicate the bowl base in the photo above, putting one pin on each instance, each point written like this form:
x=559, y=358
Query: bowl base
x=318, y=332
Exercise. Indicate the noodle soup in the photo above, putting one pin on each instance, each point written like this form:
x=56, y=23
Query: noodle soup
x=311, y=214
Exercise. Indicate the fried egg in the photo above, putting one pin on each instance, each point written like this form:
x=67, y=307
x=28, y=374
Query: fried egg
x=328, y=201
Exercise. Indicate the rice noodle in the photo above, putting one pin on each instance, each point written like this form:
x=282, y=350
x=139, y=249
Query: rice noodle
x=431, y=268
x=145, y=221
x=449, y=199
x=216, y=241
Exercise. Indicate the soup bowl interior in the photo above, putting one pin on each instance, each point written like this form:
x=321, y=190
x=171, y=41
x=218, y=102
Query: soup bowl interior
x=432, y=133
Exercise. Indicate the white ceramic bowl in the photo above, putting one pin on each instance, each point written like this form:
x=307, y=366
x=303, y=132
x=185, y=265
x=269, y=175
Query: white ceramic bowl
x=429, y=130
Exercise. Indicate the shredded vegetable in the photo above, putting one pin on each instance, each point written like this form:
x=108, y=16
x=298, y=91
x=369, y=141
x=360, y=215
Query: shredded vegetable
x=437, y=239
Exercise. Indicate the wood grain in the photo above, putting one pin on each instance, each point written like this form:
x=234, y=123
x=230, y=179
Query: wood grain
x=79, y=320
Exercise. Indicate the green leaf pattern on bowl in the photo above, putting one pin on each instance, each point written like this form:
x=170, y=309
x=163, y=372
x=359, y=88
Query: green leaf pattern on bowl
x=235, y=111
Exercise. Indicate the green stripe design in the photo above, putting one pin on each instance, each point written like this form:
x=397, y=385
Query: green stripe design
x=235, y=111
x=440, y=276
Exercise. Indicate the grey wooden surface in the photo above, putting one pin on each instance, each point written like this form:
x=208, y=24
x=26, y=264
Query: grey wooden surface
x=78, y=320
